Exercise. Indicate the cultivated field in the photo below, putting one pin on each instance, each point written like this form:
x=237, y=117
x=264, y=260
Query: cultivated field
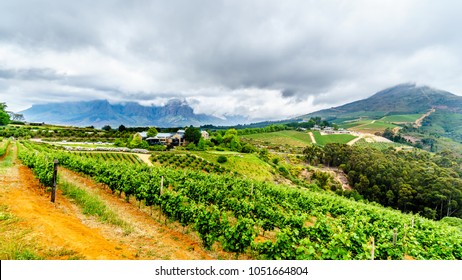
x=285, y=137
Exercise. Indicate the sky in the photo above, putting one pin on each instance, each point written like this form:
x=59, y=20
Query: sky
x=262, y=59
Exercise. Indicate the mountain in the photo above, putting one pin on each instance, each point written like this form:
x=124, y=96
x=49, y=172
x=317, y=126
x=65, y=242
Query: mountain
x=439, y=130
x=400, y=99
x=98, y=113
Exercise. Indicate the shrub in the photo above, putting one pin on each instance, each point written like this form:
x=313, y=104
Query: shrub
x=222, y=159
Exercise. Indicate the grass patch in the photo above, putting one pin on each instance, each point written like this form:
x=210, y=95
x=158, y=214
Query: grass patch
x=377, y=126
x=92, y=205
x=381, y=145
x=332, y=138
x=285, y=137
x=411, y=118
x=249, y=165
x=7, y=160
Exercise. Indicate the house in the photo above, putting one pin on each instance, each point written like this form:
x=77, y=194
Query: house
x=160, y=139
x=205, y=134
x=178, y=138
x=316, y=127
x=172, y=139
x=143, y=134
x=328, y=130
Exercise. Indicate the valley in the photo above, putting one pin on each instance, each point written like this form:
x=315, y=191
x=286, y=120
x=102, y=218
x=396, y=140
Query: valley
x=305, y=189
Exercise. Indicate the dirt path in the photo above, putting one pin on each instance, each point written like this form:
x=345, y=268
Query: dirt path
x=360, y=136
x=313, y=140
x=418, y=122
x=151, y=239
x=145, y=158
x=61, y=227
x=54, y=225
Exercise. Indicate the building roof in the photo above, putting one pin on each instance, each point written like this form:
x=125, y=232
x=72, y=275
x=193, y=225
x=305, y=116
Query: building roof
x=164, y=135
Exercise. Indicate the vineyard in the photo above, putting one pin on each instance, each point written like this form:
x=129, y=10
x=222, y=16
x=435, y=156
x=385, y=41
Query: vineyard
x=332, y=138
x=189, y=161
x=112, y=157
x=286, y=137
x=381, y=145
x=263, y=220
x=4, y=147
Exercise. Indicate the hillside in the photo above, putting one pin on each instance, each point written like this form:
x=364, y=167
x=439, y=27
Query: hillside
x=100, y=112
x=229, y=216
x=429, y=117
x=400, y=99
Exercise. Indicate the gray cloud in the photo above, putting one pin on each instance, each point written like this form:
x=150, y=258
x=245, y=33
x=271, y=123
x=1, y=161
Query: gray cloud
x=300, y=55
x=31, y=74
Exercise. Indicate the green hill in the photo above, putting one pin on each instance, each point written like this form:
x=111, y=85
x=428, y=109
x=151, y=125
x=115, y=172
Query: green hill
x=397, y=100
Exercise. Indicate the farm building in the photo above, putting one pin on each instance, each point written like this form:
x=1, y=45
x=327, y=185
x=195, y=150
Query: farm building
x=174, y=139
x=205, y=134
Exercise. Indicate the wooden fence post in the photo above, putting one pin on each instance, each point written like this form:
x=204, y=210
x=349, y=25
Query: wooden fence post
x=55, y=175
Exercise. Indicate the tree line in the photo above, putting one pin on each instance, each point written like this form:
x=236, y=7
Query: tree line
x=412, y=181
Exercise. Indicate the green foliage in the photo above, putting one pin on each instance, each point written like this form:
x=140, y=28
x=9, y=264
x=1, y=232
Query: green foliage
x=222, y=159
x=152, y=132
x=4, y=147
x=409, y=181
x=307, y=225
x=4, y=117
x=401, y=118
x=122, y=128
x=187, y=161
x=106, y=128
x=201, y=145
x=286, y=137
x=192, y=134
x=332, y=138
x=91, y=204
x=111, y=157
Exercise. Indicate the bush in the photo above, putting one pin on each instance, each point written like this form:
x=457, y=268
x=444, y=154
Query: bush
x=157, y=148
x=222, y=159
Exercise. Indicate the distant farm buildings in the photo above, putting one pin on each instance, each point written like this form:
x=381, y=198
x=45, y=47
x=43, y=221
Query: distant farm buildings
x=170, y=139
x=330, y=130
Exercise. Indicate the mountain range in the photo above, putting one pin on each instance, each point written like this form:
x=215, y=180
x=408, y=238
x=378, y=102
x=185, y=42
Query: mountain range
x=175, y=113
x=400, y=99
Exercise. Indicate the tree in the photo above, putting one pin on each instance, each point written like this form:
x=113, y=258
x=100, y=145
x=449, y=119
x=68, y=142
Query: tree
x=122, y=128
x=230, y=135
x=136, y=141
x=152, y=132
x=201, y=145
x=107, y=128
x=16, y=117
x=192, y=134
x=4, y=116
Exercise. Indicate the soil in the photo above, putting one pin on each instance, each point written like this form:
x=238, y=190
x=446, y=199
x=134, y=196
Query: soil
x=61, y=226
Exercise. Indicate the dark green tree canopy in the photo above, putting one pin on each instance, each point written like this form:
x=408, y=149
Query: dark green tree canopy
x=4, y=116
x=192, y=134
x=152, y=132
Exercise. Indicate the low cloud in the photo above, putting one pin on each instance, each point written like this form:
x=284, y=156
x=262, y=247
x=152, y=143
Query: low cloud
x=264, y=59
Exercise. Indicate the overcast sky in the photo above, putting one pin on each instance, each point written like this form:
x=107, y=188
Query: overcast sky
x=265, y=59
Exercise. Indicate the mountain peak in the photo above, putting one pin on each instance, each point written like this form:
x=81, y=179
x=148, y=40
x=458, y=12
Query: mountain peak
x=177, y=102
x=175, y=113
x=400, y=99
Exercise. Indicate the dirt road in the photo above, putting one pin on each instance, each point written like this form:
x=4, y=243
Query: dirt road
x=61, y=231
